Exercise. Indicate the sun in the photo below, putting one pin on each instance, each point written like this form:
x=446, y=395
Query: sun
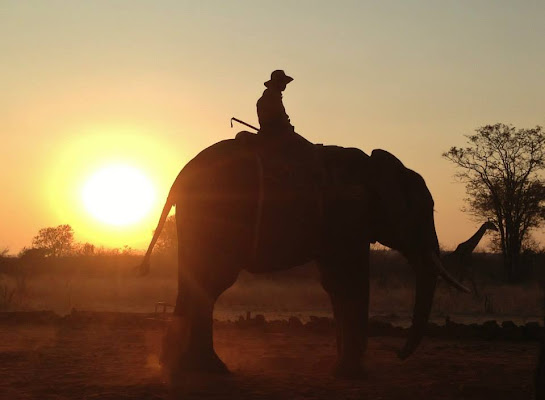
x=118, y=195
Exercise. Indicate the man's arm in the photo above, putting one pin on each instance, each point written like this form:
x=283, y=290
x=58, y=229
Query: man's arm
x=271, y=112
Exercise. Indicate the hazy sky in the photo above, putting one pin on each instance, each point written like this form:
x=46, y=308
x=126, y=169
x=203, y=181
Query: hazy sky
x=151, y=83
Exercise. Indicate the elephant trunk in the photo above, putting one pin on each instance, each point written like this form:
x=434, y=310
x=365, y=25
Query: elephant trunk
x=425, y=289
x=427, y=271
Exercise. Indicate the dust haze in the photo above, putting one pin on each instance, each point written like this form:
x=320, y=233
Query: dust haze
x=105, y=333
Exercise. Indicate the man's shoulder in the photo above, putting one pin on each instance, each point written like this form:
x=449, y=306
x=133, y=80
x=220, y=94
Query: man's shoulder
x=267, y=98
x=271, y=93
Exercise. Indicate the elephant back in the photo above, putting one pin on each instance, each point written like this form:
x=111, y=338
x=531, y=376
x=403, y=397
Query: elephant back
x=263, y=198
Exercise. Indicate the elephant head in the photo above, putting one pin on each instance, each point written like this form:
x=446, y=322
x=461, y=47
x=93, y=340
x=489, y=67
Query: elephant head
x=403, y=220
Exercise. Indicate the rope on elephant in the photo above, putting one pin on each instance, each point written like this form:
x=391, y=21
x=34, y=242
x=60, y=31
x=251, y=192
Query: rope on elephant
x=259, y=208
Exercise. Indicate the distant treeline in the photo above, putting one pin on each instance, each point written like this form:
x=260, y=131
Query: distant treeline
x=386, y=265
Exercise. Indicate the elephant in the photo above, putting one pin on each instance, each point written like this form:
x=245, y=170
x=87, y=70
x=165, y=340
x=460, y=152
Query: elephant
x=228, y=220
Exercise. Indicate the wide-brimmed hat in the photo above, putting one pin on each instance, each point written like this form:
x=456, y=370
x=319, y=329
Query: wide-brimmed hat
x=280, y=77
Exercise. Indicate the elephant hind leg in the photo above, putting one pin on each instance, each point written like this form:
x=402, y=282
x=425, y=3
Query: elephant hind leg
x=345, y=277
x=188, y=344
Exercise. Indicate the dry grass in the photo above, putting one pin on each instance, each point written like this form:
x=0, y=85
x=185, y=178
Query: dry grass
x=108, y=283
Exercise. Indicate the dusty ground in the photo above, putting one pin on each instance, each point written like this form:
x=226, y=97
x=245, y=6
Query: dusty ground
x=98, y=361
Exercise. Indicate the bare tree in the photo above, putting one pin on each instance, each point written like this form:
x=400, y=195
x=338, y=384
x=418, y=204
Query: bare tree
x=84, y=249
x=55, y=241
x=500, y=167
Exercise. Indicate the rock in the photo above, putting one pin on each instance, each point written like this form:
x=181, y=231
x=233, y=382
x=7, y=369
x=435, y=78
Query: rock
x=319, y=324
x=510, y=331
x=453, y=329
x=277, y=326
x=295, y=323
x=249, y=322
x=379, y=327
x=259, y=320
x=241, y=322
x=434, y=330
x=533, y=331
x=508, y=325
x=29, y=317
x=490, y=329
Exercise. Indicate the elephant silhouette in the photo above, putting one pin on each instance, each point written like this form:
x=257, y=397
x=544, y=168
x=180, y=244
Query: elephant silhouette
x=231, y=214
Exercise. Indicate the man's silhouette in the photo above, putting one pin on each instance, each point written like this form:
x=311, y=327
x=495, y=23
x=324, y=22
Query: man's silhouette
x=273, y=119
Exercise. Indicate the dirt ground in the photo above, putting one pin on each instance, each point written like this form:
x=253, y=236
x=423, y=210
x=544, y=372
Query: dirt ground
x=97, y=361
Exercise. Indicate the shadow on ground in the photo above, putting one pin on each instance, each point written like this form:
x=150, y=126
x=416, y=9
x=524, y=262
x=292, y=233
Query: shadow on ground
x=109, y=361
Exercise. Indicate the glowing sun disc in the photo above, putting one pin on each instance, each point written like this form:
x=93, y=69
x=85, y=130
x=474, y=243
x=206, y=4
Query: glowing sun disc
x=118, y=195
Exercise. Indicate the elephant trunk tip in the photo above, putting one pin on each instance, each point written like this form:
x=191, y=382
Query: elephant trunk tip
x=406, y=351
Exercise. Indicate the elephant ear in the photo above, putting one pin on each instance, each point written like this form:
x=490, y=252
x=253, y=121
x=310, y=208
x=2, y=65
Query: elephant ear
x=388, y=184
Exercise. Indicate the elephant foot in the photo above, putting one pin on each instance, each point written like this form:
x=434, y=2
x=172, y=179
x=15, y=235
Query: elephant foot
x=209, y=363
x=349, y=370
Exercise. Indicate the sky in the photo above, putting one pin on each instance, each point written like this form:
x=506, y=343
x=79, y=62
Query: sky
x=84, y=85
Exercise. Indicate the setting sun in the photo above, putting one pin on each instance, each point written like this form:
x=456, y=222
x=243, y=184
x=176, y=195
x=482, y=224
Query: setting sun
x=118, y=195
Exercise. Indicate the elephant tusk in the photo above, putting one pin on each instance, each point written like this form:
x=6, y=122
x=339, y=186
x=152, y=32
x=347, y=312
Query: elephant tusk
x=446, y=275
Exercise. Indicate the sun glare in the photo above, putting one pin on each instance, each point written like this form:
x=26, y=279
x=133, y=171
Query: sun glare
x=118, y=195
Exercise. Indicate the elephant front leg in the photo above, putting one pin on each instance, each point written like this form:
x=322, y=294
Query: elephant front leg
x=346, y=280
x=350, y=316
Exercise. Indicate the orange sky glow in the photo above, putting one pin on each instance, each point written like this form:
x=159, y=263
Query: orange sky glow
x=88, y=85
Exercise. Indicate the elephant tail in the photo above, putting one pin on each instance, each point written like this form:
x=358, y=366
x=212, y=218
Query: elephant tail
x=144, y=267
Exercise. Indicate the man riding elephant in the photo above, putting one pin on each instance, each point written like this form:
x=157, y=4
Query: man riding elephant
x=273, y=119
